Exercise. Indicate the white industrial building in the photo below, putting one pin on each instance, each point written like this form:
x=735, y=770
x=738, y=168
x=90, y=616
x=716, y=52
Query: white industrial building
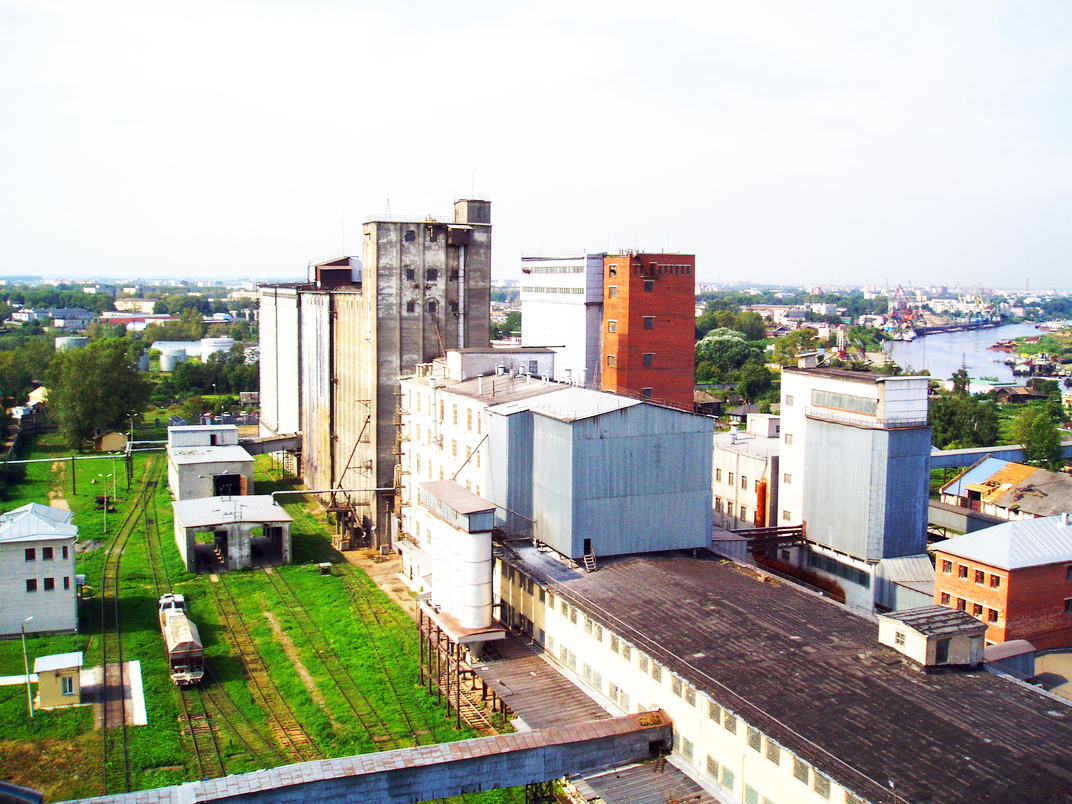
x=745, y=473
x=37, y=577
x=562, y=308
x=230, y=532
x=206, y=461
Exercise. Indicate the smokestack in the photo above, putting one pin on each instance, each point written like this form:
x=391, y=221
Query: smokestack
x=480, y=386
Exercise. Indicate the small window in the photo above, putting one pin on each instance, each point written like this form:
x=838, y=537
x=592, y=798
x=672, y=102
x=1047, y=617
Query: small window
x=755, y=739
x=743, y=514
x=612, y=270
x=980, y=577
x=646, y=392
x=786, y=516
x=788, y=479
x=454, y=306
x=411, y=275
x=789, y=400
x=712, y=768
x=649, y=285
x=612, y=292
x=649, y=358
x=687, y=749
x=411, y=235
x=67, y=683
x=66, y=583
x=612, y=325
x=744, y=482
x=677, y=686
x=800, y=770
x=642, y=662
x=656, y=671
x=899, y=638
x=411, y=306
x=690, y=695
x=977, y=609
x=962, y=571
x=31, y=554
x=788, y=438
x=751, y=795
x=431, y=275
x=962, y=604
x=718, y=475
x=614, y=643
x=728, y=778
x=729, y=723
x=944, y=598
x=991, y=615
x=1068, y=606
x=995, y=581
x=649, y=322
x=774, y=751
x=65, y=553
x=612, y=360
x=947, y=567
x=431, y=307
x=50, y=584
x=1068, y=574
x=31, y=584
x=714, y=711
x=46, y=553
x=627, y=651
x=821, y=784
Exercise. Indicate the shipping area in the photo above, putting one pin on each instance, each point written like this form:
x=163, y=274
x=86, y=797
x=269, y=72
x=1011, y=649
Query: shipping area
x=233, y=671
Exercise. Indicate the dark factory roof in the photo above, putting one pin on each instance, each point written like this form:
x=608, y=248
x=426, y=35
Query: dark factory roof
x=813, y=676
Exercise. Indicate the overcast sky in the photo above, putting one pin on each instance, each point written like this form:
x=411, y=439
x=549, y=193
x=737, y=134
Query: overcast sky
x=819, y=142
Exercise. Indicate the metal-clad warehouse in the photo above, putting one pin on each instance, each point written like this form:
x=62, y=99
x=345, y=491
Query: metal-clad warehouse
x=613, y=476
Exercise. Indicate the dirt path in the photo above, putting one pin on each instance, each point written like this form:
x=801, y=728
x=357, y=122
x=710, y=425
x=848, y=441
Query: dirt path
x=292, y=653
x=383, y=570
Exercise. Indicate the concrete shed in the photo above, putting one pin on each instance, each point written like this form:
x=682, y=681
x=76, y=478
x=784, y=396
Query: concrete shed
x=198, y=472
x=934, y=636
x=203, y=435
x=227, y=533
x=59, y=680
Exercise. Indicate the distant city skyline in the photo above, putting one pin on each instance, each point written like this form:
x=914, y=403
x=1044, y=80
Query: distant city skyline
x=825, y=143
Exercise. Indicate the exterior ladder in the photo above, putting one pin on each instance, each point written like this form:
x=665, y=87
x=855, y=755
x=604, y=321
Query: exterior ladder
x=590, y=562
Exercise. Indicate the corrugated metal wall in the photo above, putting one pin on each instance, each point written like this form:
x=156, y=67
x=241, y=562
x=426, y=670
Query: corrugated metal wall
x=509, y=472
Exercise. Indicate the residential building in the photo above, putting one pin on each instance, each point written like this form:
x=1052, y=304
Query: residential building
x=37, y=577
x=745, y=473
x=1009, y=490
x=562, y=308
x=649, y=327
x=776, y=694
x=1016, y=577
x=857, y=447
x=332, y=351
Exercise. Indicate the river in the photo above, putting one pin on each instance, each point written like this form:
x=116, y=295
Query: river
x=945, y=352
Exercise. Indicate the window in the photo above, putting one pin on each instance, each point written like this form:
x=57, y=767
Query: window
x=718, y=504
x=31, y=584
x=800, y=770
x=821, y=785
x=962, y=604
x=712, y=768
x=649, y=322
x=411, y=307
x=714, y=711
x=649, y=285
x=612, y=691
x=962, y=571
x=627, y=651
x=646, y=393
x=676, y=686
x=729, y=509
x=787, y=479
x=751, y=795
x=431, y=306
x=718, y=475
x=46, y=553
x=612, y=326
x=755, y=739
x=977, y=609
x=454, y=448
x=642, y=662
x=729, y=478
x=67, y=583
x=729, y=723
x=411, y=275
x=68, y=685
x=612, y=291
x=945, y=598
x=774, y=751
x=744, y=513
x=50, y=584
x=980, y=576
x=852, y=798
x=991, y=615
x=31, y=554
x=728, y=779
x=995, y=581
x=623, y=701
x=612, y=360
x=614, y=643
x=686, y=749
x=947, y=567
x=898, y=638
x=431, y=275
x=65, y=552
x=656, y=671
x=649, y=358
x=786, y=516
x=1068, y=606
x=612, y=270
x=690, y=695
x=1068, y=574
x=588, y=626
x=744, y=482
x=789, y=400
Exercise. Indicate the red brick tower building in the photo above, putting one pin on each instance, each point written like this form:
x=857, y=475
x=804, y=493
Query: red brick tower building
x=649, y=327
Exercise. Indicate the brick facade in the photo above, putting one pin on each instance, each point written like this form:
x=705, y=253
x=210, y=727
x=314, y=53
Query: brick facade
x=649, y=327
x=1027, y=603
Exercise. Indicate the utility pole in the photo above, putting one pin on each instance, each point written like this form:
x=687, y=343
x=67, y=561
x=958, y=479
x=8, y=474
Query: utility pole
x=26, y=665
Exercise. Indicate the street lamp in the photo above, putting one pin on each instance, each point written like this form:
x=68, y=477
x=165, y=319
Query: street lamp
x=112, y=475
x=26, y=665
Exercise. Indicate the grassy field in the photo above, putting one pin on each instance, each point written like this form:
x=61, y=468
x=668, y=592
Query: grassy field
x=60, y=753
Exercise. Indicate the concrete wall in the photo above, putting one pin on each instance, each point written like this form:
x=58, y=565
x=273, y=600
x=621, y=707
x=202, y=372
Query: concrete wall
x=239, y=542
x=280, y=390
x=556, y=308
x=192, y=481
x=55, y=610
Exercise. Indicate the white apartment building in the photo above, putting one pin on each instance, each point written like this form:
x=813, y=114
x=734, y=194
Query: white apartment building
x=745, y=474
x=562, y=308
x=37, y=577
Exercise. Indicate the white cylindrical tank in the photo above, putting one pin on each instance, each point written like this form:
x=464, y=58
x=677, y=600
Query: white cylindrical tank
x=170, y=358
x=67, y=342
x=473, y=551
x=209, y=347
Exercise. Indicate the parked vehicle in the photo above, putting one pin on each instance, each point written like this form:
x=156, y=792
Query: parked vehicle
x=186, y=654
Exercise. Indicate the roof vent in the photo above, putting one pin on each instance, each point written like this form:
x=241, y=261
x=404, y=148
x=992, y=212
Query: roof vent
x=1064, y=519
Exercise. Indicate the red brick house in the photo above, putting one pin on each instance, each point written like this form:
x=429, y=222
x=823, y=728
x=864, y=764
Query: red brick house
x=1016, y=577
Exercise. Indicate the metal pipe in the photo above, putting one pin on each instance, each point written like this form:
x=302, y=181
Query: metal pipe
x=328, y=491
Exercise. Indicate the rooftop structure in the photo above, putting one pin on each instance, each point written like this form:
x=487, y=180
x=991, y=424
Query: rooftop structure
x=1010, y=490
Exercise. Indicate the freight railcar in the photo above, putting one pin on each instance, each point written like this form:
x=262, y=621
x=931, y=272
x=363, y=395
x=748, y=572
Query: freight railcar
x=186, y=655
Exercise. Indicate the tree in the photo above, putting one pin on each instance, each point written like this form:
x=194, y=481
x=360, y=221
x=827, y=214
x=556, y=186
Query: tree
x=95, y=389
x=725, y=349
x=754, y=380
x=961, y=381
x=1037, y=432
x=960, y=422
x=789, y=346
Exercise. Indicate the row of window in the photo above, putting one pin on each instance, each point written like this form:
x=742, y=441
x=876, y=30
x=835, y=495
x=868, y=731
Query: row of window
x=729, y=479
x=49, y=584
x=430, y=274
x=742, y=512
x=430, y=306
x=670, y=269
x=470, y=418
x=963, y=572
x=649, y=359
x=554, y=269
x=649, y=323
x=569, y=291
x=47, y=553
x=849, y=573
x=977, y=609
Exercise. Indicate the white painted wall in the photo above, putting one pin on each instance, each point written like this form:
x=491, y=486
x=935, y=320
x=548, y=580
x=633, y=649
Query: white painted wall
x=55, y=610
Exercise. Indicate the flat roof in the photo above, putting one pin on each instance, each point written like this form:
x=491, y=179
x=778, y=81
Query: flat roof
x=209, y=511
x=937, y=620
x=497, y=389
x=457, y=497
x=852, y=376
x=228, y=454
x=749, y=443
x=813, y=677
x=57, y=661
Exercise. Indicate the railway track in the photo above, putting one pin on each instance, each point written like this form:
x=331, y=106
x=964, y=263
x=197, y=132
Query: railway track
x=115, y=749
